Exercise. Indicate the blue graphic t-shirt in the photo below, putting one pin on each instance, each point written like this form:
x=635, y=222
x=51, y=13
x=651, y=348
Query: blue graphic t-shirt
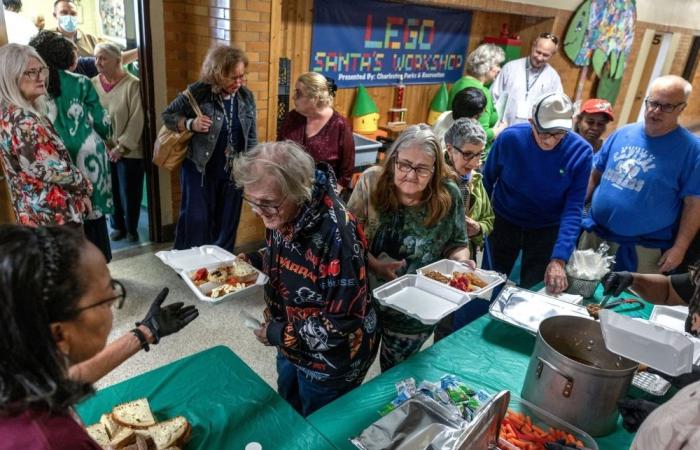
x=645, y=180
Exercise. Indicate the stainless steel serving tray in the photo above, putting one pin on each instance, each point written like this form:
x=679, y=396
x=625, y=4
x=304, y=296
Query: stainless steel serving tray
x=526, y=309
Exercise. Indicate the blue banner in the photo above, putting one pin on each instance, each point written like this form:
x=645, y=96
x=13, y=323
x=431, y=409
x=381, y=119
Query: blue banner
x=375, y=43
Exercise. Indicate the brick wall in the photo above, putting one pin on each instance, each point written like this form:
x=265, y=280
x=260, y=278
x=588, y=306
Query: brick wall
x=191, y=28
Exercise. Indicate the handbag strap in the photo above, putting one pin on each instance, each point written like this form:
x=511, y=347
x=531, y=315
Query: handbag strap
x=193, y=102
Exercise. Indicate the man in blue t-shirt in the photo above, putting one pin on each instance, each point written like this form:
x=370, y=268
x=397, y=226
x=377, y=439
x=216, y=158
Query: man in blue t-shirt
x=645, y=186
x=536, y=175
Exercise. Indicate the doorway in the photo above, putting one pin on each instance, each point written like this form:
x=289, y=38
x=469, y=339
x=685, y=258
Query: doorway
x=653, y=68
x=124, y=22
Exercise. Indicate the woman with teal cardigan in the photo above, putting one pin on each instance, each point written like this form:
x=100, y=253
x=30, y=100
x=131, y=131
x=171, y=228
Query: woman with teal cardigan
x=482, y=66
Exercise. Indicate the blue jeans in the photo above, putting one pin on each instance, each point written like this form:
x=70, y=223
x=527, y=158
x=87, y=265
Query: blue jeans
x=304, y=394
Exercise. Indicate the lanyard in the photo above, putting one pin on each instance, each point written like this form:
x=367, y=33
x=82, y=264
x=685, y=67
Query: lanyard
x=529, y=85
x=229, y=117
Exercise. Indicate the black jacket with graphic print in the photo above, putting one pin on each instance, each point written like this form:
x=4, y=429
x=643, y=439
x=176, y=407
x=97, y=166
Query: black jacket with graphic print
x=319, y=308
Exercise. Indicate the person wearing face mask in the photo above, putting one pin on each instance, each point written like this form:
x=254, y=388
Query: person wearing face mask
x=526, y=79
x=211, y=202
x=537, y=175
x=66, y=14
x=645, y=186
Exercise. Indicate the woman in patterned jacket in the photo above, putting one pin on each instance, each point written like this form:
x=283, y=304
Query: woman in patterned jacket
x=46, y=188
x=319, y=312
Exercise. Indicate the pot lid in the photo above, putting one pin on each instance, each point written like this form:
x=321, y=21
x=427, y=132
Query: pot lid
x=663, y=349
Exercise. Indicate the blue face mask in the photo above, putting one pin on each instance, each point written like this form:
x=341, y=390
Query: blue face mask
x=68, y=23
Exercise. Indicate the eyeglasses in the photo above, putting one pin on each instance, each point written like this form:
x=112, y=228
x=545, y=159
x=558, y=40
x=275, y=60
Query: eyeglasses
x=557, y=135
x=468, y=156
x=665, y=107
x=549, y=36
x=421, y=172
x=36, y=74
x=242, y=78
x=298, y=94
x=267, y=210
x=120, y=292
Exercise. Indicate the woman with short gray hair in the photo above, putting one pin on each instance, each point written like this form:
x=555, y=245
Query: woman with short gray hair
x=45, y=186
x=465, y=142
x=482, y=66
x=319, y=313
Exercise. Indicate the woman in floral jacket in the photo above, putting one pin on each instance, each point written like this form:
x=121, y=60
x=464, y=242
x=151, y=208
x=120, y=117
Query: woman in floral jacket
x=45, y=186
x=83, y=125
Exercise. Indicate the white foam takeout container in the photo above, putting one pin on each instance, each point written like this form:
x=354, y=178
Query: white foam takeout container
x=186, y=263
x=418, y=297
x=447, y=267
x=664, y=349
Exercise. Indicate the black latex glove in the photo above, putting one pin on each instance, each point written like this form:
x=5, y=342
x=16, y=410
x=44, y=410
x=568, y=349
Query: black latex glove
x=614, y=283
x=634, y=411
x=166, y=320
x=559, y=445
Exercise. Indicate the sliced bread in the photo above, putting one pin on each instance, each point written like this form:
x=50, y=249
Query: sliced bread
x=98, y=433
x=136, y=414
x=124, y=437
x=111, y=426
x=173, y=432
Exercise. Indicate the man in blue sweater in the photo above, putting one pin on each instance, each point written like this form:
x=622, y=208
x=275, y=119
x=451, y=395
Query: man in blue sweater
x=537, y=174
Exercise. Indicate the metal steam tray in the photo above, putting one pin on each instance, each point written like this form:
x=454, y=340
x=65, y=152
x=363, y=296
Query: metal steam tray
x=419, y=297
x=526, y=309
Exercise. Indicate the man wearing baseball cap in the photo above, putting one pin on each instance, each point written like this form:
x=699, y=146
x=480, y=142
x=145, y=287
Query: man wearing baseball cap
x=645, y=186
x=537, y=174
x=592, y=121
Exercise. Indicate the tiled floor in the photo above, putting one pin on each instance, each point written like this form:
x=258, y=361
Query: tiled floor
x=142, y=230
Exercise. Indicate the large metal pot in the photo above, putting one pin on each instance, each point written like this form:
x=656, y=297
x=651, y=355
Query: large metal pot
x=572, y=375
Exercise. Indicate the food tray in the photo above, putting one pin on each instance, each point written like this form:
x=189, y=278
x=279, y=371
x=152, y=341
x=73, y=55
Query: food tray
x=447, y=267
x=545, y=420
x=186, y=263
x=651, y=383
x=526, y=309
x=418, y=297
x=665, y=350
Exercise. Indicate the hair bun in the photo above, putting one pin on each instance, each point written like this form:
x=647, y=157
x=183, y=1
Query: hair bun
x=332, y=87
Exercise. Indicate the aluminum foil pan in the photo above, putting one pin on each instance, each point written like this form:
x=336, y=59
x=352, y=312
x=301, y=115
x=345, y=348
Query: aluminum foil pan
x=422, y=423
x=526, y=309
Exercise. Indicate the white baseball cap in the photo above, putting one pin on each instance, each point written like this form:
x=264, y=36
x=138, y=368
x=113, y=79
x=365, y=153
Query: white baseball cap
x=553, y=112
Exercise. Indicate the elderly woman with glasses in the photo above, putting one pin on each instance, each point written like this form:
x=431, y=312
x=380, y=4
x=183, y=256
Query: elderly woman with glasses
x=482, y=67
x=55, y=308
x=319, y=313
x=83, y=125
x=318, y=128
x=211, y=204
x=413, y=215
x=45, y=186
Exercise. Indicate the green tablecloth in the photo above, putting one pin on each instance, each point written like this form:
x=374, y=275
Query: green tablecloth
x=485, y=354
x=227, y=404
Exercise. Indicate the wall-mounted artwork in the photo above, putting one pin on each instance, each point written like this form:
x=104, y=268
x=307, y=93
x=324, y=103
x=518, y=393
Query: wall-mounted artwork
x=112, y=22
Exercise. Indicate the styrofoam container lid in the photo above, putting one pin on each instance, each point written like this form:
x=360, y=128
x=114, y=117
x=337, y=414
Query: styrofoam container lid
x=639, y=340
x=195, y=257
x=673, y=318
x=415, y=297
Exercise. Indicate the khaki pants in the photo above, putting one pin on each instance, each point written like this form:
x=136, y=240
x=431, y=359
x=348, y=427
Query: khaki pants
x=647, y=258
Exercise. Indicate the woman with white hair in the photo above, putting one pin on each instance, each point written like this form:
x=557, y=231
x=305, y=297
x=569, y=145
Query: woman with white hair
x=83, y=125
x=45, y=186
x=120, y=94
x=412, y=214
x=318, y=128
x=482, y=66
x=319, y=313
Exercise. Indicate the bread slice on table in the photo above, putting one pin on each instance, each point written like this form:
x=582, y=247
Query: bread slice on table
x=136, y=414
x=98, y=433
x=171, y=433
x=124, y=437
x=110, y=425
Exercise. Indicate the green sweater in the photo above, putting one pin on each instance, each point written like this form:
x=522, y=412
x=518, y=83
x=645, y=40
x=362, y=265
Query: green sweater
x=489, y=118
x=480, y=210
